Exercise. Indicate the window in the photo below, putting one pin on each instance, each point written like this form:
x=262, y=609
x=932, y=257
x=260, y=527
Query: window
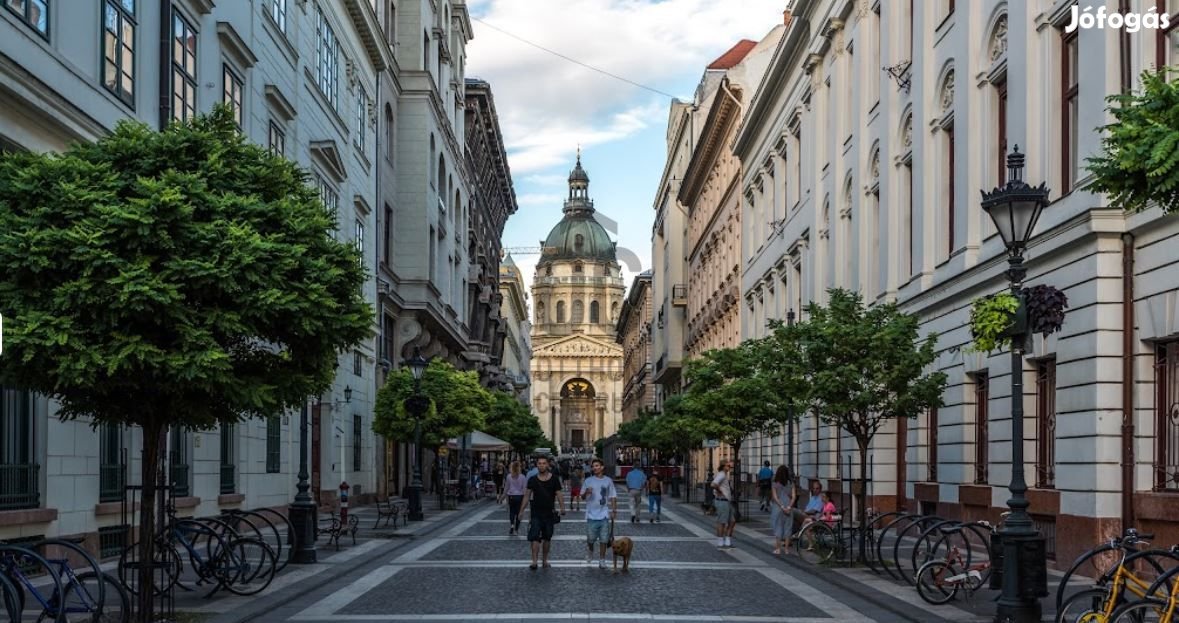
x=118, y=49
x=231, y=93
x=1046, y=423
x=560, y=311
x=228, y=464
x=358, y=238
x=910, y=265
x=910, y=35
x=796, y=151
x=357, y=431
x=1166, y=39
x=391, y=24
x=357, y=363
x=982, y=393
x=1166, y=368
x=327, y=63
x=433, y=254
x=950, y=175
x=388, y=236
x=327, y=194
x=1068, y=119
x=184, y=76
x=595, y=314
x=277, y=140
x=389, y=131
x=35, y=13
x=361, y=118
x=110, y=463
x=178, y=463
x=273, y=444
x=1001, y=126
x=578, y=268
x=931, y=434
x=19, y=475
x=425, y=51
x=278, y=12
x=578, y=312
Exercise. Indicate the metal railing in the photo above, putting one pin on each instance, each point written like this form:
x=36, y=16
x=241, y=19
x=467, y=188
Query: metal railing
x=110, y=482
x=228, y=480
x=19, y=486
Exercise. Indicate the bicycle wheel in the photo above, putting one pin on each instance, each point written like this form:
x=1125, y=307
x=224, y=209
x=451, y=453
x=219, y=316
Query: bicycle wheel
x=1088, y=606
x=1145, y=611
x=904, y=541
x=8, y=598
x=271, y=536
x=88, y=600
x=1094, y=564
x=932, y=582
x=816, y=543
x=282, y=523
x=923, y=549
x=166, y=568
x=246, y=567
x=116, y=607
x=19, y=562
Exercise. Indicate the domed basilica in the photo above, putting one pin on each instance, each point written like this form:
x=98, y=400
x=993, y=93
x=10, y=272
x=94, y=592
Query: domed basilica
x=577, y=293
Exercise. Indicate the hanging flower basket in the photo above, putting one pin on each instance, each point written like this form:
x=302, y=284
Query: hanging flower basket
x=1045, y=307
x=992, y=321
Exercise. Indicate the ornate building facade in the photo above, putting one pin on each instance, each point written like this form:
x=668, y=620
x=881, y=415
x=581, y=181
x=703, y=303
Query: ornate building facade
x=577, y=295
x=634, y=333
x=516, y=360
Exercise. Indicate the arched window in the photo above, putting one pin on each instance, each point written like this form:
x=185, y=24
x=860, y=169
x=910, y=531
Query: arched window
x=578, y=268
x=548, y=270
x=594, y=317
x=578, y=312
x=441, y=172
x=540, y=313
x=560, y=311
x=433, y=180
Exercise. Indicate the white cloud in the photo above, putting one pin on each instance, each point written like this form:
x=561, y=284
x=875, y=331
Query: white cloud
x=548, y=105
x=545, y=199
x=553, y=179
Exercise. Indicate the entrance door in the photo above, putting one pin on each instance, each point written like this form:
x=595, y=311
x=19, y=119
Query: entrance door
x=578, y=438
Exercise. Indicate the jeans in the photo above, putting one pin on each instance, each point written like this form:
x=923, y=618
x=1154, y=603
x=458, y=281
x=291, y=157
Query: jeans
x=514, y=502
x=655, y=504
x=636, y=503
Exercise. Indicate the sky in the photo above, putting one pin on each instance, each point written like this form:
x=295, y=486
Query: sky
x=548, y=105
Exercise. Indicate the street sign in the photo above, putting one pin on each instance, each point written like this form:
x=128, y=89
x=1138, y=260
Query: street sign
x=711, y=443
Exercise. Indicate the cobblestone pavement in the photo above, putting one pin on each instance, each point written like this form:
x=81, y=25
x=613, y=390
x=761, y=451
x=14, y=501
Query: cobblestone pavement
x=470, y=569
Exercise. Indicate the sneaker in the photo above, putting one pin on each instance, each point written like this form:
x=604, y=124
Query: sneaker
x=652, y=520
x=728, y=542
x=602, y=563
x=720, y=542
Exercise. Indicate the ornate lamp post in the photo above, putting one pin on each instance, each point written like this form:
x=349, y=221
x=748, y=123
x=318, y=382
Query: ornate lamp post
x=1015, y=208
x=416, y=405
x=302, y=510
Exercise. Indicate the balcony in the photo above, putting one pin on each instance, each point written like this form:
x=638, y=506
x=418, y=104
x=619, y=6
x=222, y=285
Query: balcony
x=111, y=479
x=679, y=295
x=19, y=486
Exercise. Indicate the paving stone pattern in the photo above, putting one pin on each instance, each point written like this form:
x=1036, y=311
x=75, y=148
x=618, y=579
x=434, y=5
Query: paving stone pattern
x=621, y=528
x=518, y=549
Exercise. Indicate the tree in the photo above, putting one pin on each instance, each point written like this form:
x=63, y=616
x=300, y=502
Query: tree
x=674, y=431
x=732, y=396
x=175, y=278
x=1138, y=166
x=458, y=404
x=513, y=422
x=856, y=367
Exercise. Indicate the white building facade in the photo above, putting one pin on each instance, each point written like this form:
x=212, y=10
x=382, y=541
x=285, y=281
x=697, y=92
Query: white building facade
x=869, y=180
x=517, y=329
x=302, y=76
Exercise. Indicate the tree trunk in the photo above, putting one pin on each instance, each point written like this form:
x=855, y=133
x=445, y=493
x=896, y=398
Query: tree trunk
x=862, y=496
x=153, y=440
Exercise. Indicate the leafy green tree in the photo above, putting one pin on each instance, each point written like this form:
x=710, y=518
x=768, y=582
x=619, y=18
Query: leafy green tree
x=513, y=422
x=636, y=432
x=675, y=432
x=1138, y=166
x=175, y=278
x=856, y=367
x=458, y=404
x=731, y=396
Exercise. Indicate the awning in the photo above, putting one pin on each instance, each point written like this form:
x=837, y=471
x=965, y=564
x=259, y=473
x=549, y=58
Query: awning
x=480, y=441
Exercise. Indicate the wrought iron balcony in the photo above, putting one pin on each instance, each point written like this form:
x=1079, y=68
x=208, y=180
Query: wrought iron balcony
x=19, y=486
x=111, y=480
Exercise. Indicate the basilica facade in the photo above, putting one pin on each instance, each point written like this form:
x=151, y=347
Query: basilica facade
x=577, y=294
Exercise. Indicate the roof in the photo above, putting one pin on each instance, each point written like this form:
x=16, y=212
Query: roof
x=735, y=55
x=578, y=236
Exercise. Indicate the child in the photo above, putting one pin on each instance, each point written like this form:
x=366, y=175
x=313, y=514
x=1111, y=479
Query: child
x=828, y=514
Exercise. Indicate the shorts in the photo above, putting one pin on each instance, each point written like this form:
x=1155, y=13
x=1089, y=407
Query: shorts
x=597, y=531
x=540, y=528
x=575, y=491
x=724, y=511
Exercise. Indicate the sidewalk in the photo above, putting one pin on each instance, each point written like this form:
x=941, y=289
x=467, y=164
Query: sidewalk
x=371, y=545
x=755, y=531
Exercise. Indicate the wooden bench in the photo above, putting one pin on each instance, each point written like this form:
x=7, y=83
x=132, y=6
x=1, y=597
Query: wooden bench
x=331, y=526
x=392, y=508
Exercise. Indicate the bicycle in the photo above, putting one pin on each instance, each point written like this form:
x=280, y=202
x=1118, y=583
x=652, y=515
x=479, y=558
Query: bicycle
x=75, y=597
x=938, y=581
x=18, y=565
x=1101, y=560
x=1097, y=605
x=1153, y=609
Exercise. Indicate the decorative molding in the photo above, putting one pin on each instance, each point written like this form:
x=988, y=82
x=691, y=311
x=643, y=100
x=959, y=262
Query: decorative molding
x=998, y=42
x=327, y=154
x=280, y=103
x=232, y=43
x=946, y=95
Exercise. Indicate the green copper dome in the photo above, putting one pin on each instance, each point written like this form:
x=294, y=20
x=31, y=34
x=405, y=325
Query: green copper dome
x=578, y=235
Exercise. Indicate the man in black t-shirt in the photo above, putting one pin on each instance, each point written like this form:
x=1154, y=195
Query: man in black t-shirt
x=544, y=494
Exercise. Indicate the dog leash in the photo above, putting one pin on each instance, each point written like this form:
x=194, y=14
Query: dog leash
x=610, y=541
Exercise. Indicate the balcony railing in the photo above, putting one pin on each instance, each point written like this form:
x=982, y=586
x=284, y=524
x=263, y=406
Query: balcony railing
x=18, y=486
x=111, y=480
x=180, y=486
x=228, y=480
x=679, y=294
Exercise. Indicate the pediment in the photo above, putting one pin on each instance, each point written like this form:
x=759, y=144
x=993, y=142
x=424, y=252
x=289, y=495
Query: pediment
x=578, y=346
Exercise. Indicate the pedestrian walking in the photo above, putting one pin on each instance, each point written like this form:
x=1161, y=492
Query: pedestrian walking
x=544, y=495
x=764, y=476
x=784, y=496
x=575, y=479
x=636, y=480
x=655, y=497
x=517, y=486
x=601, y=506
x=498, y=478
x=722, y=488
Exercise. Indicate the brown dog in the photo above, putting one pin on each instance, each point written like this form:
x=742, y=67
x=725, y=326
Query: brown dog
x=623, y=547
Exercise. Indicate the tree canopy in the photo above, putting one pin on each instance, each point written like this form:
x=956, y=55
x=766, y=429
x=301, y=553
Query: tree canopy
x=732, y=395
x=513, y=422
x=458, y=404
x=1138, y=166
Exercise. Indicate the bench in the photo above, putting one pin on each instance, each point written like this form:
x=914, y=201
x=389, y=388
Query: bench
x=392, y=508
x=331, y=526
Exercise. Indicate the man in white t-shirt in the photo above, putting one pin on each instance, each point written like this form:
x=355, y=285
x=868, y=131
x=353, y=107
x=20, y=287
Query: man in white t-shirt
x=601, y=505
x=722, y=488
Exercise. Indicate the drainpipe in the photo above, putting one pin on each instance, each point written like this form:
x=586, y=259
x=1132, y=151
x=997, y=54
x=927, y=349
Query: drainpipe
x=1128, y=320
x=165, y=63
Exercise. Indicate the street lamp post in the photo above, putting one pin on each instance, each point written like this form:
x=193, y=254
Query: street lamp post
x=416, y=405
x=302, y=509
x=1015, y=208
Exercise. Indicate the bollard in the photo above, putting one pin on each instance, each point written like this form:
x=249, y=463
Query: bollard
x=344, y=503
